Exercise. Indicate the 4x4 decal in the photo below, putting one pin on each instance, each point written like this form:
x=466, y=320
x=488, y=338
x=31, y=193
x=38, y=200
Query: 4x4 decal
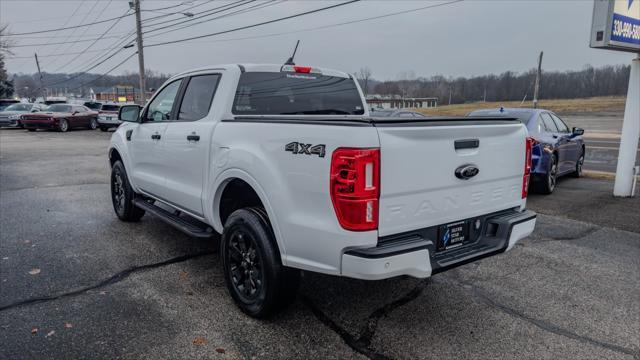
x=307, y=149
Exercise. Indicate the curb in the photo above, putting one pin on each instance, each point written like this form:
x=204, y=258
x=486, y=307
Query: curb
x=600, y=175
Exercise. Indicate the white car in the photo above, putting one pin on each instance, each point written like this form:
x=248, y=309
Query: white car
x=287, y=164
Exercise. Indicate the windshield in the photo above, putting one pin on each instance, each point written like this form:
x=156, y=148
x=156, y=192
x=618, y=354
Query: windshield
x=19, y=107
x=110, y=107
x=59, y=108
x=93, y=105
x=284, y=93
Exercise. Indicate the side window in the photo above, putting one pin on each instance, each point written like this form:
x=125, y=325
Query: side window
x=562, y=127
x=198, y=97
x=549, y=125
x=160, y=107
x=78, y=109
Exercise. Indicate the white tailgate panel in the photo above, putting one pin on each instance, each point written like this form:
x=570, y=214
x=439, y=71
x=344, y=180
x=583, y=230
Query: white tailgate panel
x=418, y=183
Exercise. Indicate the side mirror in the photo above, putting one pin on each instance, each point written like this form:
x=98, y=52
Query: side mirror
x=74, y=112
x=129, y=113
x=578, y=131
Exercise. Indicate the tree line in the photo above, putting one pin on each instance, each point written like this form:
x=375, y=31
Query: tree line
x=28, y=85
x=606, y=80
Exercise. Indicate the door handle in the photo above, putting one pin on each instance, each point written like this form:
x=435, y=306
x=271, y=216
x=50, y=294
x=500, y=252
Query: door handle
x=156, y=136
x=193, y=137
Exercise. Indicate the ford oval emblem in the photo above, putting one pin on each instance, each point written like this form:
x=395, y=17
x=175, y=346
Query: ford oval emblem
x=466, y=172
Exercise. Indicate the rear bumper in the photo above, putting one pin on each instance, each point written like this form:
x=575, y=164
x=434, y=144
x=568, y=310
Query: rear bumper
x=110, y=121
x=414, y=253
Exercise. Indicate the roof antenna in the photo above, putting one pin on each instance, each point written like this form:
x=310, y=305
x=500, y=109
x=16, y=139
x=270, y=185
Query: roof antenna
x=290, y=60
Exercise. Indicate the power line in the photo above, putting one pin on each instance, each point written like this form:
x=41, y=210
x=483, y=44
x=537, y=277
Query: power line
x=255, y=25
x=164, y=23
x=66, y=28
x=217, y=10
x=106, y=73
x=93, y=43
x=73, y=32
x=84, y=71
x=330, y=25
x=52, y=55
x=96, y=36
x=237, y=12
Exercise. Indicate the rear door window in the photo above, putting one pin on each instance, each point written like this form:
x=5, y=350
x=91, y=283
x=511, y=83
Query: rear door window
x=198, y=97
x=549, y=125
x=562, y=127
x=110, y=108
x=286, y=93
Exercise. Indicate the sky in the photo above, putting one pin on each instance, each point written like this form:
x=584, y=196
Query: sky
x=465, y=38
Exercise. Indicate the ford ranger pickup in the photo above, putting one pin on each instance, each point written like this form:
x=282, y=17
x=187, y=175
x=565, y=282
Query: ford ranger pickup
x=286, y=163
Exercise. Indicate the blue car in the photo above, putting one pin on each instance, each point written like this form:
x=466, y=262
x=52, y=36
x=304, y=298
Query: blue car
x=556, y=151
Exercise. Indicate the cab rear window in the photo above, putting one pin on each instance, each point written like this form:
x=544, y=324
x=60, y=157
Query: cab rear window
x=285, y=93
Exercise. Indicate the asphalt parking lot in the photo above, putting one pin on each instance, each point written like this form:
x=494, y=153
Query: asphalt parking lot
x=77, y=283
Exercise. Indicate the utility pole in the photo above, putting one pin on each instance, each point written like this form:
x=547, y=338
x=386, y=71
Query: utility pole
x=143, y=93
x=537, y=86
x=449, y=96
x=44, y=96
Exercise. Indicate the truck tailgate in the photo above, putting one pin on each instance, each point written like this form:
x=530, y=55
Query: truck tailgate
x=419, y=186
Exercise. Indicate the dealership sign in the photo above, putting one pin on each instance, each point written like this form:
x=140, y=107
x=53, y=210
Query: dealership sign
x=616, y=25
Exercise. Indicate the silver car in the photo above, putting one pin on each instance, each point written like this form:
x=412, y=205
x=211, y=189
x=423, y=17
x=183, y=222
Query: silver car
x=10, y=116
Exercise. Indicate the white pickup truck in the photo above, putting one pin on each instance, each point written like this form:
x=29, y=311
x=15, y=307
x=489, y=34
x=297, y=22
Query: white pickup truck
x=285, y=162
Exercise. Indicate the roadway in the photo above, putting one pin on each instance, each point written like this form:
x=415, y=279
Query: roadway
x=602, y=139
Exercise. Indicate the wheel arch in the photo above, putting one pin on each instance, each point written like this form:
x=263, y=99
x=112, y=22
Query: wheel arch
x=234, y=177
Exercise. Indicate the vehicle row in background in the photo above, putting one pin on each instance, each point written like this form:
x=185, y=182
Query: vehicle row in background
x=557, y=150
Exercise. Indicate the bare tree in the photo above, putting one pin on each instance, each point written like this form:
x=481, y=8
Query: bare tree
x=6, y=86
x=363, y=75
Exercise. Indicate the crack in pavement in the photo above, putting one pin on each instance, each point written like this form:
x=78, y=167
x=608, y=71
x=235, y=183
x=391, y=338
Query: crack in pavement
x=486, y=299
x=363, y=342
x=122, y=275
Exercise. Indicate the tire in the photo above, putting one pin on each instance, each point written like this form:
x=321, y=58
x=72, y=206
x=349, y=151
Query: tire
x=122, y=195
x=93, y=124
x=63, y=125
x=547, y=184
x=104, y=128
x=578, y=171
x=31, y=130
x=256, y=279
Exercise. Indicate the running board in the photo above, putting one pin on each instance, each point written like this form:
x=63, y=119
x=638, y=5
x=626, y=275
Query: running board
x=193, y=228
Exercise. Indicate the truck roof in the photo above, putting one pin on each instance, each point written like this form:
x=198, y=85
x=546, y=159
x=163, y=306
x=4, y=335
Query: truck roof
x=251, y=67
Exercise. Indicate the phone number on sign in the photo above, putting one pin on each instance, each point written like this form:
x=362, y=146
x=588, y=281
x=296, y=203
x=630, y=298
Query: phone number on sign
x=626, y=30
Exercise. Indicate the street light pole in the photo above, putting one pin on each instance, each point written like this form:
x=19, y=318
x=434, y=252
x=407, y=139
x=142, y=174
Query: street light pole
x=136, y=7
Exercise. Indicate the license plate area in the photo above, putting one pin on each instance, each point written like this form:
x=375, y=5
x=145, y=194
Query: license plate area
x=453, y=235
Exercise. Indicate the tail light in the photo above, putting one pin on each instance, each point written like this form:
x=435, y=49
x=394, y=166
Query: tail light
x=355, y=187
x=529, y=142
